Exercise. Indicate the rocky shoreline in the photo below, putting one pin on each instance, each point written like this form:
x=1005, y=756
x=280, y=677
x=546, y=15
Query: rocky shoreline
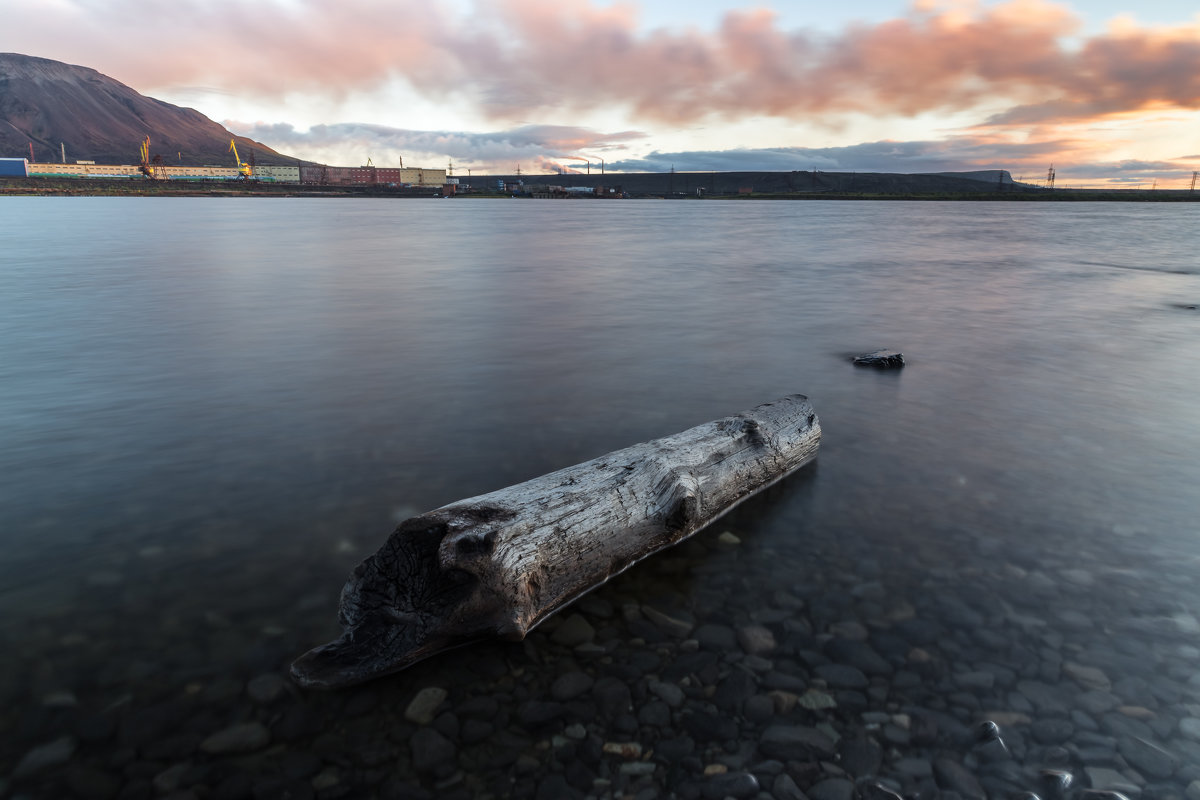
x=682, y=678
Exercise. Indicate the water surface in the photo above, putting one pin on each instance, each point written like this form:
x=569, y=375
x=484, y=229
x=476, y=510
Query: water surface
x=211, y=409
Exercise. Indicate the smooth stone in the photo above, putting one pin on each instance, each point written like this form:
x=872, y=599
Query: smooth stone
x=570, y=685
x=422, y=709
x=1148, y=758
x=51, y=754
x=669, y=693
x=794, y=741
x=785, y=788
x=1052, y=731
x=954, y=777
x=739, y=785
x=861, y=758
x=574, y=630
x=986, y=731
x=850, y=630
x=1087, y=677
x=627, y=750
x=1193, y=790
x=756, y=640
x=734, y=690
x=245, y=737
x=877, y=791
x=431, y=750
x=266, y=689
x=1107, y=779
x=832, y=789
x=671, y=626
x=709, y=727
x=1190, y=727
x=60, y=699
x=539, y=713
x=914, y=767
x=815, y=700
x=716, y=637
x=841, y=676
x=977, y=681
x=1045, y=697
x=612, y=697
x=89, y=783
x=637, y=768
x=170, y=778
x=728, y=539
x=857, y=654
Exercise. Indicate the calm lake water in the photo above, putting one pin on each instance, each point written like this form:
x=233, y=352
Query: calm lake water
x=212, y=409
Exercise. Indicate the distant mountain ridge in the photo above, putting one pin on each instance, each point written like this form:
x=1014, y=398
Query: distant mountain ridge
x=96, y=118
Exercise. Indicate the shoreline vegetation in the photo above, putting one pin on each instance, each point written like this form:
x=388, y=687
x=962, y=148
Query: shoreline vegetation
x=43, y=187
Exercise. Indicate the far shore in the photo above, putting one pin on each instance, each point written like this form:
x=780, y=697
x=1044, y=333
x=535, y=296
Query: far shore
x=50, y=187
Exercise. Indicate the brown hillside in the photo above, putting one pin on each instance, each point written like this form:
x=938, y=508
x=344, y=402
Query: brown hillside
x=97, y=118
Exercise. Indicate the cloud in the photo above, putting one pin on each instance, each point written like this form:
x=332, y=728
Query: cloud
x=512, y=58
x=535, y=145
x=1026, y=160
x=949, y=155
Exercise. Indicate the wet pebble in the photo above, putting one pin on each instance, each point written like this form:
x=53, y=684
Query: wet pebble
x=669, y=693
x=1190, y=727
x=953, y=776
x=431, y=751
x=741, y=785
x=756, y=640
x=266, y=689
x=1104, y=778
x=570, y=685
x=422, y=709
x=51, y=754
x=795, y=741
x=574, y=630
x=831, y=789
x=841, y=676
x=669, y=624
x=1147, y=757
x=245, y=737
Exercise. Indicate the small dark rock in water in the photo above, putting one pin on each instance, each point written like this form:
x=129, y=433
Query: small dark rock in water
x=733, y=784
x=1055, y=783
x=877, y=791
x=882, y=359
x=954, y=777
x=1102, y=794
x=986, y=731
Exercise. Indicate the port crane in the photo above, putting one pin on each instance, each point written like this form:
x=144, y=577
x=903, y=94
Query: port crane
x=150, y=167
x=244, y=169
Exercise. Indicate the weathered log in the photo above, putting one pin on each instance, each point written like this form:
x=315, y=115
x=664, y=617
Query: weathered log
x=500, y=563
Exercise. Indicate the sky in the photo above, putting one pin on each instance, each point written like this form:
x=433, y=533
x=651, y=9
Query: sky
x=1107, y=93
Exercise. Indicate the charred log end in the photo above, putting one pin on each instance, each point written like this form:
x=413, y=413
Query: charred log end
x=401, y=606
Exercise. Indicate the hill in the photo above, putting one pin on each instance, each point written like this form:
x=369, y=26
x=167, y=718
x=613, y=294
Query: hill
x=53, y=104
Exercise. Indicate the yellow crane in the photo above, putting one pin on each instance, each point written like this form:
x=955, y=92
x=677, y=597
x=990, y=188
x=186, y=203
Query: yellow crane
x=150, y=167
x=244, y=169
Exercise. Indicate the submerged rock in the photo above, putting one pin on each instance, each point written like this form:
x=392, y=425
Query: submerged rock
x=881, y=359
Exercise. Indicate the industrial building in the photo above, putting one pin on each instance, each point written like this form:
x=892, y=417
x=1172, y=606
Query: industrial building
x=308, y=175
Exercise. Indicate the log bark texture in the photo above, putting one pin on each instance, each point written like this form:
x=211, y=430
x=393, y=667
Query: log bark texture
x=500, y=563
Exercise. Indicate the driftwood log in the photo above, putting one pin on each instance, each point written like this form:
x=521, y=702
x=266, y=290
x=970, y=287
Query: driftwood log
x=500, y=563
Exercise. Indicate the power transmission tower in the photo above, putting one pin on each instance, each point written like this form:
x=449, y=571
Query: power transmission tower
x=1194, y=176
x=1050, y=178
